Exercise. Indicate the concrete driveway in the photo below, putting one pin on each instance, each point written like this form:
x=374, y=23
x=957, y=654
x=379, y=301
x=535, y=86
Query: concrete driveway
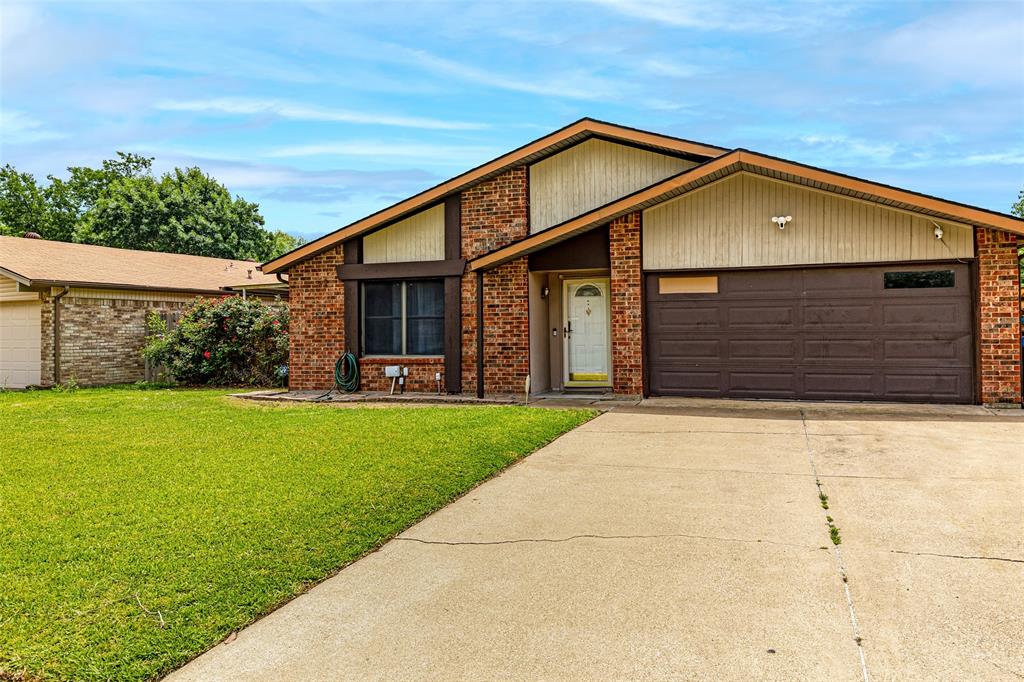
x=686, y=539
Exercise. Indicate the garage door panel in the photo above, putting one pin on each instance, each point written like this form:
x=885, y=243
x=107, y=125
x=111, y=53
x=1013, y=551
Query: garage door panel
x=838, y=316
x=20, y=342
x=686, y=317
x=745, y=350
x=809, y=341
x=945, y=314
x=762, y=317
x=849, y=385
x=777, y=383
x=689, y=350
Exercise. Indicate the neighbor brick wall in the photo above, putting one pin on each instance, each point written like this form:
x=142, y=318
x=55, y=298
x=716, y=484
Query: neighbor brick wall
x=626, y=304
x=317, y=321
x=101, y=339
x=999, y=310
x=496, y=213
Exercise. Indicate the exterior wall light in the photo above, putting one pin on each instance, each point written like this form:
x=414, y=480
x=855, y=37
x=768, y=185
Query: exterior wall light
x=781, y=220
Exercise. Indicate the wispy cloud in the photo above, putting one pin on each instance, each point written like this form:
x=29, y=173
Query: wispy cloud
x=977, y=45
x=245, y=106
x=20, y=128
x=396, y=150
x=743, y=16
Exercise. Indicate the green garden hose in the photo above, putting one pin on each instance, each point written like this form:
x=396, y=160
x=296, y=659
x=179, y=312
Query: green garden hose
x=346, y=376
x=346, y=373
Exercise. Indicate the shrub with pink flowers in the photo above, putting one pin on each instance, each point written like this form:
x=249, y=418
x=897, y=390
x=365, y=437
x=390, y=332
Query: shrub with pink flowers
x=223, y=342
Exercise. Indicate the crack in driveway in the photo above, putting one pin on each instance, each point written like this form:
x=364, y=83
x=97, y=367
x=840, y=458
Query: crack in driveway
x=958, y=556
x=595, y=536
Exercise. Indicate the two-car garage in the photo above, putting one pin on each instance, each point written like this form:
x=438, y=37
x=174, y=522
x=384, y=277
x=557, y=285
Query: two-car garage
x=895, y=332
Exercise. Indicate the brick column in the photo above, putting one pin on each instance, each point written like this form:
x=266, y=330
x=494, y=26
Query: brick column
x=316, y=301
x=627, y=305
x=999, y=308
x=494, y=214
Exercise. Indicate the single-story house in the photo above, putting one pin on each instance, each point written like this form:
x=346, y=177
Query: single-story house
x=601, y=257
x=78, y=312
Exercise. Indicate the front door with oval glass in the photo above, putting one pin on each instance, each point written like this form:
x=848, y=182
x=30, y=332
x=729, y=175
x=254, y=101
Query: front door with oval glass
x=586, y=332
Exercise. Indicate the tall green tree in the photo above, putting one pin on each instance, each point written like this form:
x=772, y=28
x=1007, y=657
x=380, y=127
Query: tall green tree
x=122, y=204
x=22, y=204
x=184, y=211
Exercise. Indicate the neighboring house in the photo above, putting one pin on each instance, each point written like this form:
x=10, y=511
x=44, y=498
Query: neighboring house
x=601, y=257
x=78, y=312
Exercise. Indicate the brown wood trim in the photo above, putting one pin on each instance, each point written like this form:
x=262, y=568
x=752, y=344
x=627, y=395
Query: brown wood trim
x=600, y=215
x=453, y=296
x=453, y=334
x=353, y=254
x=412, y=270
x=969, y=214
x=480, y=334
x=401, y=209
x=609, y=211
x=975, y=272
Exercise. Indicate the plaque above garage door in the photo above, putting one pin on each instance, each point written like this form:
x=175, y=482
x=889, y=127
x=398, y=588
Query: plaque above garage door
x=895, y=333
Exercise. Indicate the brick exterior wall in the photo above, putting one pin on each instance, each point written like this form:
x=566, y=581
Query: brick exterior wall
x=496, y=213
x=316, y=299
x=101, y=339
x=421, y=379
x=999, y=309
x=626, y=304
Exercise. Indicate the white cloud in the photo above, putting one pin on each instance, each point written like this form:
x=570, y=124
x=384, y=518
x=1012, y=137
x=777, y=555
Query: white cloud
x=979, y=46
x=573, y=84
x=743, y=16
x=377, y=149
x=243, y=106
x=19, y=128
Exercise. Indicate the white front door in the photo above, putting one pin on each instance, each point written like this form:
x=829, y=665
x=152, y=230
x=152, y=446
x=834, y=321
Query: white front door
x=587, y=332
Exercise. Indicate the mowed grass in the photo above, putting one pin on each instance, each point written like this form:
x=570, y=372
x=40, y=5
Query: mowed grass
x=139, y=528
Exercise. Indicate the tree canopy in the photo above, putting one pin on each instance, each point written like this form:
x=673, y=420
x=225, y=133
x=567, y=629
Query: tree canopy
x=122, y=204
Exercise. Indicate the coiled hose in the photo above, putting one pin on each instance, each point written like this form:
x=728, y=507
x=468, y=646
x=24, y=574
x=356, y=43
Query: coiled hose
x=346, y=376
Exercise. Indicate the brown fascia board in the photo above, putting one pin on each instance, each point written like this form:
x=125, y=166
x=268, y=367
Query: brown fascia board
x=739, y=158
x=584, y=128
x=47, y=283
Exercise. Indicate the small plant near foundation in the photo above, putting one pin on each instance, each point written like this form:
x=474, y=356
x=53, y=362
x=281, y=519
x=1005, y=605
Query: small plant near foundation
x=823, y=498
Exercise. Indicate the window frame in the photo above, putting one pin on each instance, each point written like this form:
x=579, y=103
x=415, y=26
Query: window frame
x=403, y=318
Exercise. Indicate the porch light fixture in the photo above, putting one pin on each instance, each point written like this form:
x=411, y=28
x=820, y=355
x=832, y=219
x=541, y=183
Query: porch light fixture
x=781, y=220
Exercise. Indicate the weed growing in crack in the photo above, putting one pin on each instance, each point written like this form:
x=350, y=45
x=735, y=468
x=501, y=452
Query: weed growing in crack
x=824, y=500
x=833, y=533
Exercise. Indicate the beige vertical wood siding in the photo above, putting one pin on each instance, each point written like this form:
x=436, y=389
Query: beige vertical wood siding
x=728, y=224
x=417, y=238
x=9, y=291
x=591, y=174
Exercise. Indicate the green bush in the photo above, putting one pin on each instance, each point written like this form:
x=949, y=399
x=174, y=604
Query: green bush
x=223, y=342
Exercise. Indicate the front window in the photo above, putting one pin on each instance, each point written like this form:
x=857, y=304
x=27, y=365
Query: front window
x=403, y=317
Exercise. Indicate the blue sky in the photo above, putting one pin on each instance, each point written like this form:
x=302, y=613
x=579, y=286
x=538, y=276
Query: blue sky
x=324, y=112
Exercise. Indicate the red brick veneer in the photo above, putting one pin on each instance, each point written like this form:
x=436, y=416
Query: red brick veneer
x=627, y=305
x=316, y=299
x=496, y=213
x=999, y=309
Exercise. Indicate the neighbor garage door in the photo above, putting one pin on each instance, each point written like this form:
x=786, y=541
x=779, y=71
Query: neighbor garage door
x=901, y=333
x=19, y=344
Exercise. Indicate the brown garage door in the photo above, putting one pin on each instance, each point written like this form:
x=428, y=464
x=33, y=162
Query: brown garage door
x=901, y=333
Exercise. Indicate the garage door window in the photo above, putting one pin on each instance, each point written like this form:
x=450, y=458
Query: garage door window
x=920, y=279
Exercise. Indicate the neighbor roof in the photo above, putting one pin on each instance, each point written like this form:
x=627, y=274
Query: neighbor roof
x=40, y=262
x=769, y=166
x=534, y=151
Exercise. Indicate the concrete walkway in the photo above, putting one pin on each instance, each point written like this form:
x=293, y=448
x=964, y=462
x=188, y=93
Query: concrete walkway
x=686, y=540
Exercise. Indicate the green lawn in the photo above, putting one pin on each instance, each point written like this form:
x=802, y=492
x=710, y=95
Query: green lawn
x=120, y=508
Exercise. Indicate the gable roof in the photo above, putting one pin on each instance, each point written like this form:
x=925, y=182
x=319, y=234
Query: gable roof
x=552, y=143
x=40, y=263
x=769, y=166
